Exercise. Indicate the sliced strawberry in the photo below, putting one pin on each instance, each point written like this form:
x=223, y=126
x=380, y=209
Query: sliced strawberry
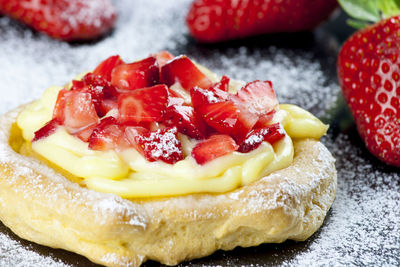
x=201, y=97
x=213, y=147
x=161, y=145
x=75, y=110
x=270, y=134
x=221, y=116
x=183, y=70
x=163, y=57
x=85, y=133
x=131, y=132
x=185, y=119
x=255, y=100
x=136, y=75
x=103, y=93
x=221, y=85
x=48, y=129
x=108, y=135
x=104, y=69
x=264, y=120
x=143, y=105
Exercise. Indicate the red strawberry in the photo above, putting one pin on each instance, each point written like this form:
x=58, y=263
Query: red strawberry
x=221, y=85
x=143, y=105
x=163, y=57
x=68, y=20
x=186, y=120
x=131, y=132
x=108, y=135
x=369, y=73
x=270, y=134
x=85, y=133
x=106, y=67
x=140, y=74
x=236, y=114
x=184, y=71
x=48, y=129
x=219, y=20
x=161, y=145
x=75, y=110
x=103, y=94
x=214, y=147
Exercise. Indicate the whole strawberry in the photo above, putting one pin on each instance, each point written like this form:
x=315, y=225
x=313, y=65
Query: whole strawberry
x=220, y=20
x=68, y=20
x=369, y=73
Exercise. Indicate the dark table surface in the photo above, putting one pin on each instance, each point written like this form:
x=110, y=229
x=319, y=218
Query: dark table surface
x=362, y=227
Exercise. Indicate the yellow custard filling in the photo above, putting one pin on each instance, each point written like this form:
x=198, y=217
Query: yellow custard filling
x=128, y=174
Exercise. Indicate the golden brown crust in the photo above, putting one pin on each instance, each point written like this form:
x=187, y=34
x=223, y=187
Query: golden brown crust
x=41, y=205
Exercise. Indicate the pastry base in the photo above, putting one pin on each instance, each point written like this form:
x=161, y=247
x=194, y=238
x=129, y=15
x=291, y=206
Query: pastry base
x=39, y=204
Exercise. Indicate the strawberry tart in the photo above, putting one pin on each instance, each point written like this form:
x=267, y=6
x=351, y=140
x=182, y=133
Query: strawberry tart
x=162, y=159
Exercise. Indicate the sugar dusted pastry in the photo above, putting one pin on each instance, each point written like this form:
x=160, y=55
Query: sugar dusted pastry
x=161, y=159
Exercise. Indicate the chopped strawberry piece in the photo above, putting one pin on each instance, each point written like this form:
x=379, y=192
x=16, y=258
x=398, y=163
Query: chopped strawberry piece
x=221, y=116
x=108, y=135
x=48, y=129
x=186, y=120
x=213, y=147
x=136, y=75
x=131, y=132
x=161, y=145
x=201, y=97
x=75, y=110
x=254, y=100
x=85, y=133
x=143, y=105
x=163, y=57
x=183, y=70
x=175, y=98
x=100, y=90
x=270, y=134
x=221, y=85
x=105, y=68
x=264, y=120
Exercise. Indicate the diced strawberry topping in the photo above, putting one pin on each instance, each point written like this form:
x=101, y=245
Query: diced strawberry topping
x=143, y=105
x=85, y=133
x=213, y=147
x=254, y=100
x=264, y=120
x=221, y=85
x=75, y=110
x=106, y=67
x=186, y=120
x=161, y=145
x=184, y=71
x=131, y=132
x=108, y=135
x=270, y=134
x=163, y=57
x=221, y=116
x=48, y=129
x=140, y=74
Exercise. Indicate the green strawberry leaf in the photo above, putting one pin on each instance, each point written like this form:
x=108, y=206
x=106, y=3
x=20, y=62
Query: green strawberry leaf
x=389, y=7
x=364, y=10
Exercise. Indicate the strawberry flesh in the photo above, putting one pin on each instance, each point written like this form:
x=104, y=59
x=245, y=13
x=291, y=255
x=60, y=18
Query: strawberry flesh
x=162, y=144
x=183, y=70
x=270, y=134
x=75, y=110
x=143, y=105
x=108, y=135
x=214, y=147
x=105, y=68
x=140, y=74
x=48, y=129
x=186, y=120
